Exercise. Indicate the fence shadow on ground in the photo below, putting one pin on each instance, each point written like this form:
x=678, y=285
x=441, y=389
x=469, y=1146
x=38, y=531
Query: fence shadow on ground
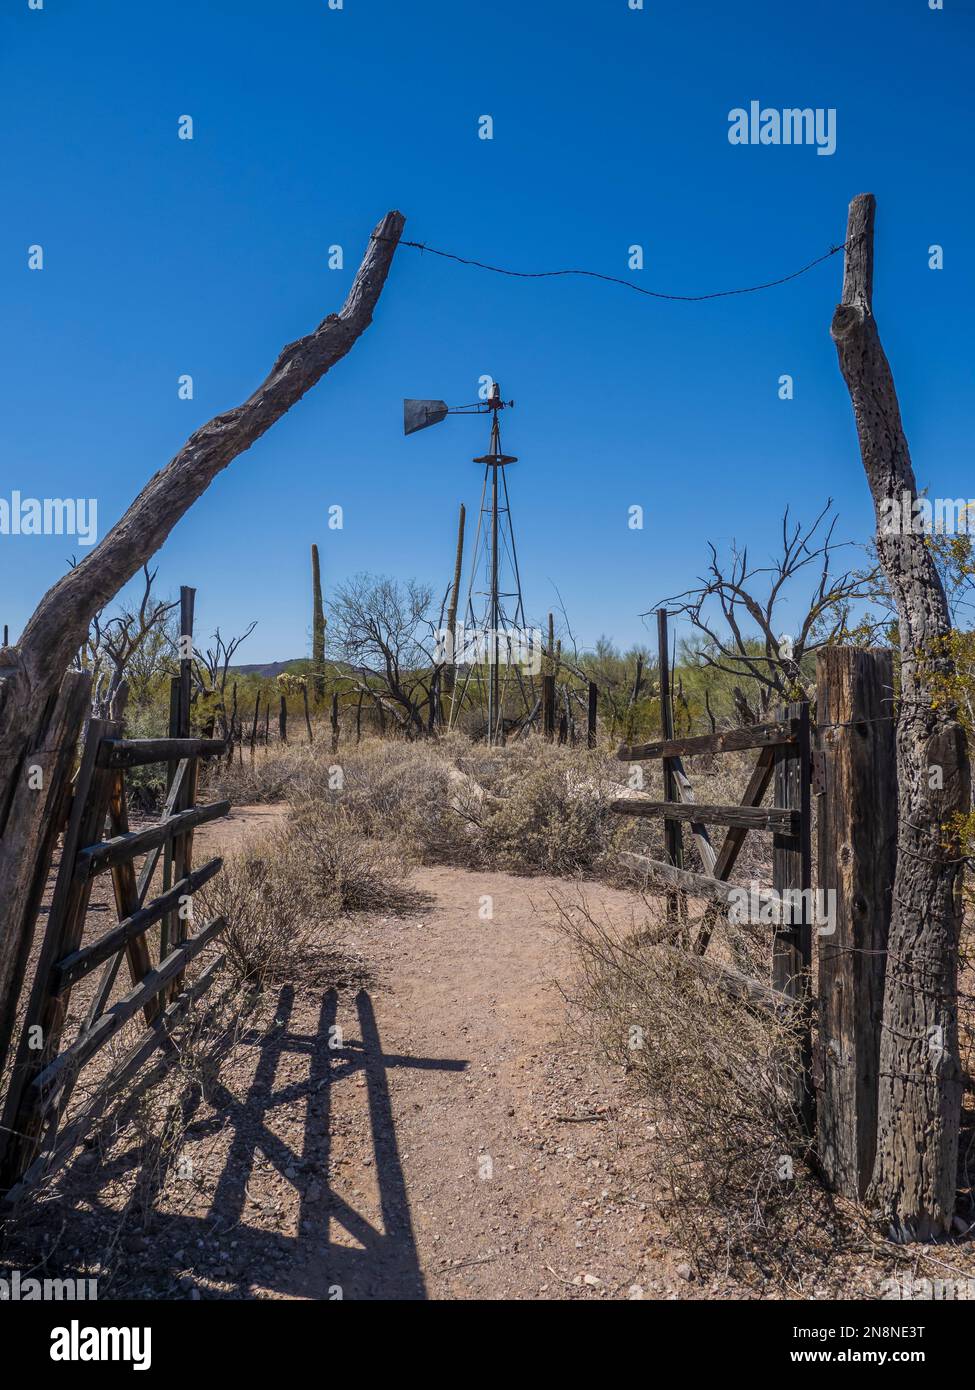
x=319, y=1260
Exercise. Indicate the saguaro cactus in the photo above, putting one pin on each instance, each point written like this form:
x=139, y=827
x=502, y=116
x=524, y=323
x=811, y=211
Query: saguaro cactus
x=317, y=628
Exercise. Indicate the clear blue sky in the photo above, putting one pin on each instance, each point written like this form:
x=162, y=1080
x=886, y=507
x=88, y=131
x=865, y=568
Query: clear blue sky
x=165, y=256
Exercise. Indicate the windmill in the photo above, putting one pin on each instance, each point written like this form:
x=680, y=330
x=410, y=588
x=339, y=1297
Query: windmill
x=495, y=612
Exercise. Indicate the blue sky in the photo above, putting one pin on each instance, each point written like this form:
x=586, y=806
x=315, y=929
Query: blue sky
x=164, y=256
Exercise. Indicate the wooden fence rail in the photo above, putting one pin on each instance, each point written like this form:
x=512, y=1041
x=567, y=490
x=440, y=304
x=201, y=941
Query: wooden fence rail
x=43, y=1077
x=785, y=762
x=856, y=796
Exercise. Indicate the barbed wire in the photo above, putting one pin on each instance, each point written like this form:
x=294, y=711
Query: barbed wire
x=422, y=246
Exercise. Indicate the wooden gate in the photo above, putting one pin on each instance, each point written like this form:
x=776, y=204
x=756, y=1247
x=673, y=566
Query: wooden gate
x=785, y=762
x=44, y=1073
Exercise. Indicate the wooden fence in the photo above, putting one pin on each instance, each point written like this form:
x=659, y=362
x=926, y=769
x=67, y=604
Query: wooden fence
x=46, y=1067
x=847, y=765
x=785, y=762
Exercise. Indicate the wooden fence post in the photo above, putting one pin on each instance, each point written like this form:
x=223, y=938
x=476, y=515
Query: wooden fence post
x=792, y=874
x=673, y=835
x=591, y=717
x=334, y=721
x=257, y=711
x=857, y=858
x=548, y=705
x=283, y=720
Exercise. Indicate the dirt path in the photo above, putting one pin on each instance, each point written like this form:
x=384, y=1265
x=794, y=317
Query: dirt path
x=497, y=1162
x=455, y=1142
x=428, y=1129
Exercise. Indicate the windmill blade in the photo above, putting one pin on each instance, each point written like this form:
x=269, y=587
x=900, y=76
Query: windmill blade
x=418, y=415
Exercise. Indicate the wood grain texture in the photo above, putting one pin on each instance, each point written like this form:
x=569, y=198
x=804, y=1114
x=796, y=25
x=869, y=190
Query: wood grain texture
x=857, y=829
x=779, y=820
x=751, y=736
x=919, y=1101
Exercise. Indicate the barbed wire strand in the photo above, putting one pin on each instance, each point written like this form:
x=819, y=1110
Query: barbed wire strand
x=614, y=279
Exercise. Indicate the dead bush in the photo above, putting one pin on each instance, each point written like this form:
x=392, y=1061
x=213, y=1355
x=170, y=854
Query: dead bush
x=552, y=819
x=720, y=1078
x=265, y=778
x=334, y=868
x=405, y=794
x=267, y=929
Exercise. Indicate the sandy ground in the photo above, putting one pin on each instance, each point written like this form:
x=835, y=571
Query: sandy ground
x=428, y=1129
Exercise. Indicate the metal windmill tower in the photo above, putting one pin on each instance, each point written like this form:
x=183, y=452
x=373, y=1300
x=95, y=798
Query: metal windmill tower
x=494, y=612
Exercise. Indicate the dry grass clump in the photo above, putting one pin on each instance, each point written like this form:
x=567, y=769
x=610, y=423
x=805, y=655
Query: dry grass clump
x=553, y=818
x=283, y=894
x=268, y=930
x=720, y=1077
x=408, y=795
x=265, y=778
x=527, y=808
x=334, y=869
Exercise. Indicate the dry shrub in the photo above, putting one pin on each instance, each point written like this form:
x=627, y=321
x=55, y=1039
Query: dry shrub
x=334, y=869
x=553, y=819
x=267, y=931
x=527, y=808
x=720, y=1077
x=265, y=778
x=405, y=794
x=283, y=893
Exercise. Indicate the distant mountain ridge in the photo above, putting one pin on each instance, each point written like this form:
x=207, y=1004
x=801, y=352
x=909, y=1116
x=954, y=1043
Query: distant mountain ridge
x=266, y=670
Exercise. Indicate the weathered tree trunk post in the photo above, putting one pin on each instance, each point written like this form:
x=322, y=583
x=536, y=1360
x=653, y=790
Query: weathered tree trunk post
x=31, y=672
x=283, y=720
x=919, y=1101
x=857, y=828
x=334, y=721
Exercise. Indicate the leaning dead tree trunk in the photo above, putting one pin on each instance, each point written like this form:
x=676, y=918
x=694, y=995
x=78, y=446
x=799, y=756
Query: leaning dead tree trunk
x=31, y=672
x=919, y=1101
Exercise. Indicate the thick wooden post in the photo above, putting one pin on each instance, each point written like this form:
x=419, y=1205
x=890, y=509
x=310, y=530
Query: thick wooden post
x=334, y=721
x=792, y=874
x=548, y=705
x=591, y=717
x=283, y=720
x=673, y=835
x=857, y=831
